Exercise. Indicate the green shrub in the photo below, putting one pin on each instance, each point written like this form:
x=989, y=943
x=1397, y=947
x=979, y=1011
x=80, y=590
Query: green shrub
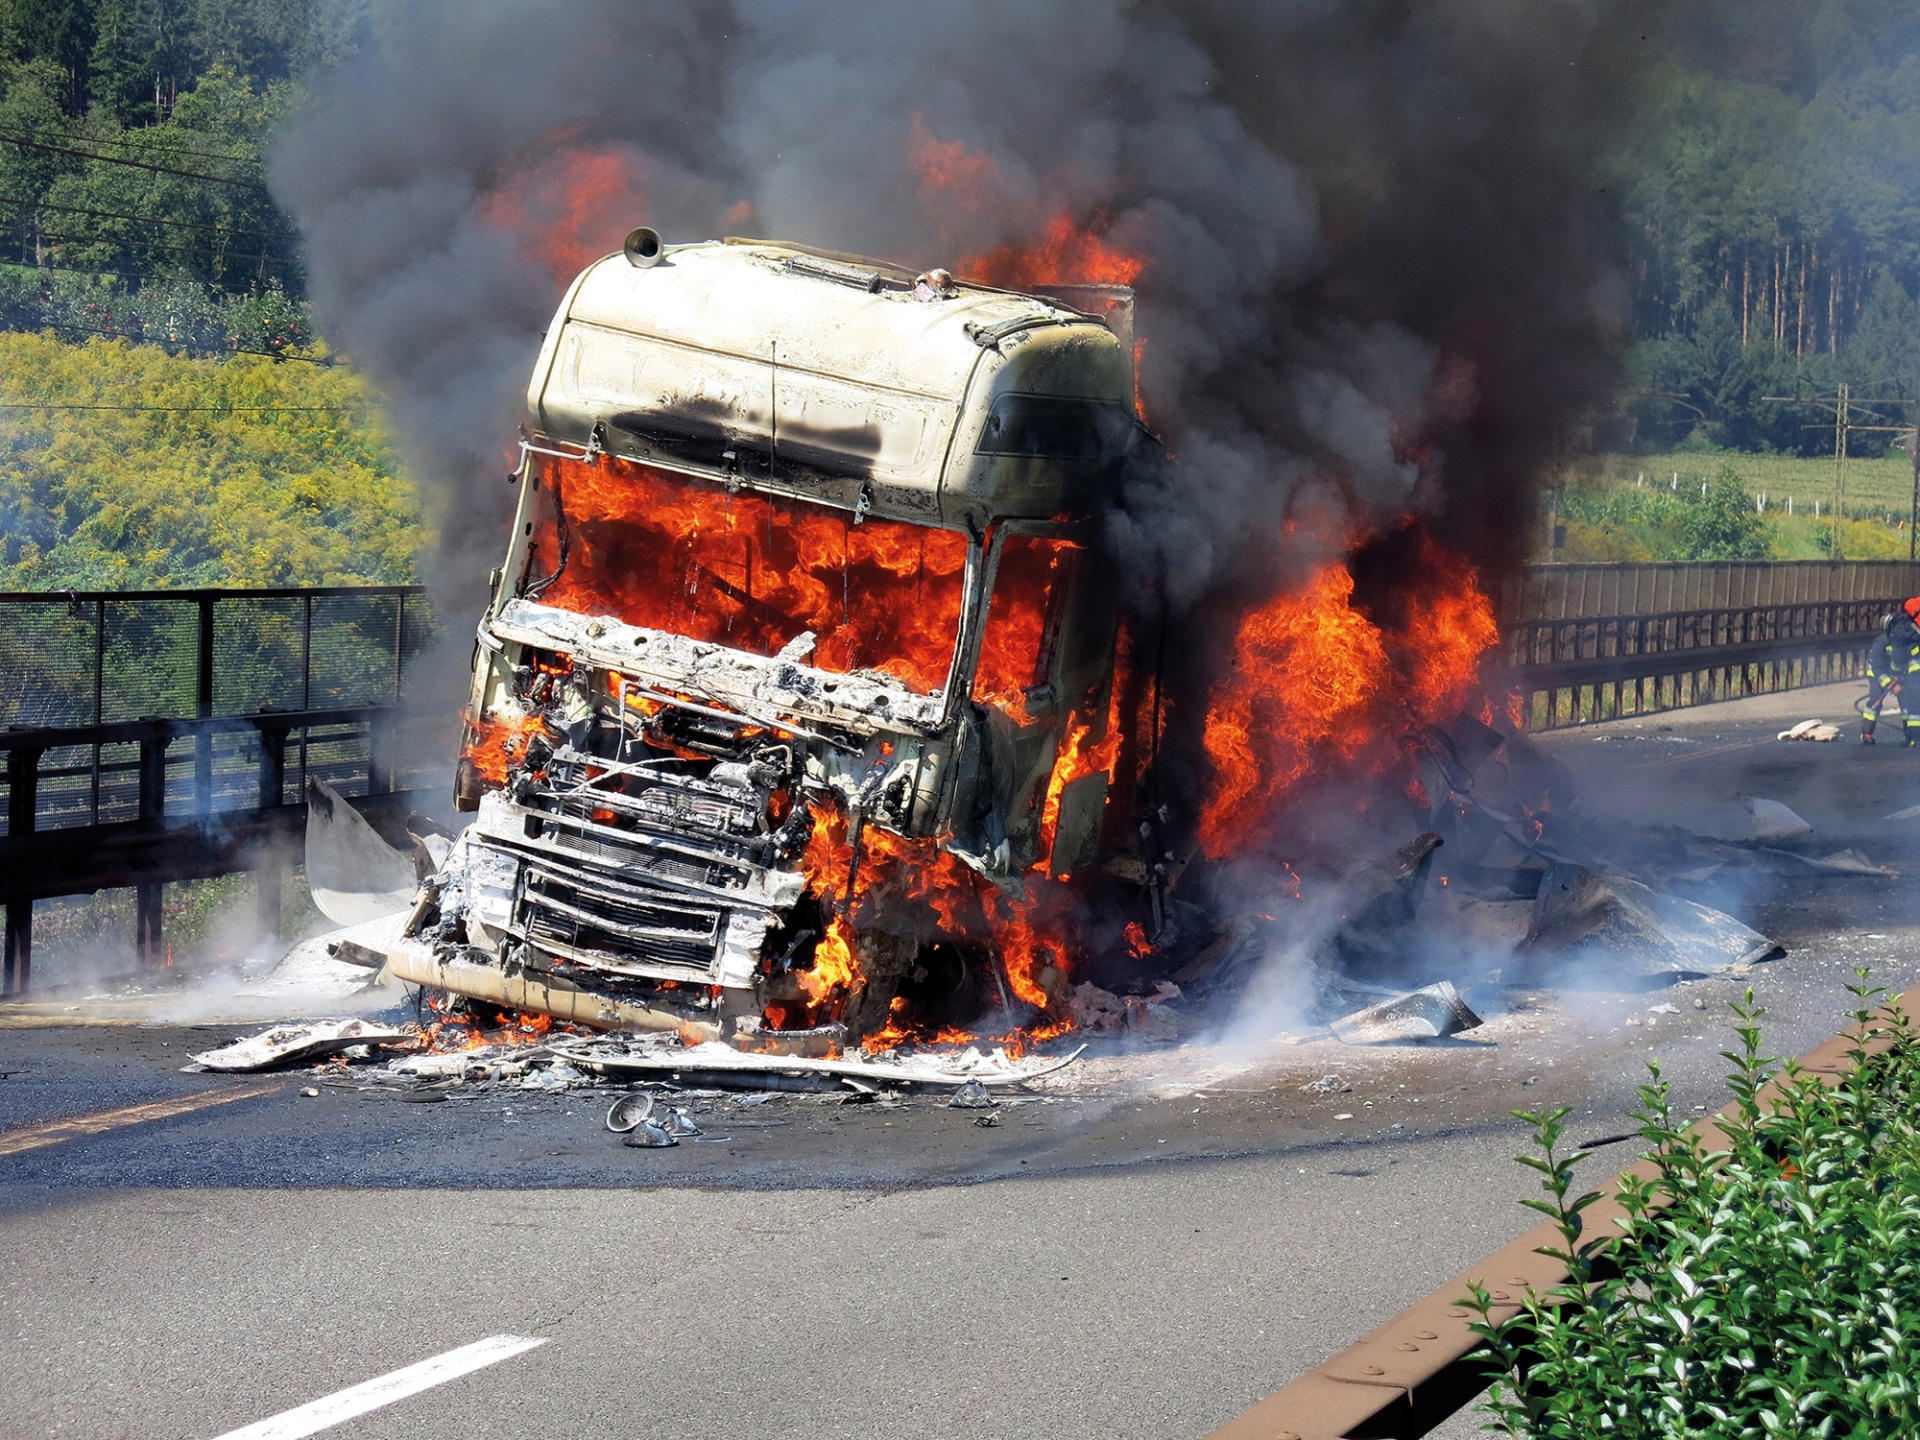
x=1770, y=1288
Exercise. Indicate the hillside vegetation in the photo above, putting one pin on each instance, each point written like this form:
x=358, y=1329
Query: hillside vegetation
x=1728, y=506
x=244, y=471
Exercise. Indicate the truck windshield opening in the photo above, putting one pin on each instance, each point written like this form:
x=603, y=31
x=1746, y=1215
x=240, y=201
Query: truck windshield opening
x=748, y=571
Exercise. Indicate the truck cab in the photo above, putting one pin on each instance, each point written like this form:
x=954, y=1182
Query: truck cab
x=803, y=569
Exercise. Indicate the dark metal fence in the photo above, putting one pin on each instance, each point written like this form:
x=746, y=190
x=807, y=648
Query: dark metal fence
x=1573, y=591
x=165, y=735
x=77, y=660
x=1597, y=642
x=1570, y=672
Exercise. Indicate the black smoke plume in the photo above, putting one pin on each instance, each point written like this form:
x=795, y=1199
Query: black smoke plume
x=1377, y=291
x=1376, y=286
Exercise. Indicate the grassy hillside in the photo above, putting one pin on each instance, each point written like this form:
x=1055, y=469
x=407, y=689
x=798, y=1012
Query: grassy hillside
x=1652, y=507
x=122, y=466
x=1871, y=488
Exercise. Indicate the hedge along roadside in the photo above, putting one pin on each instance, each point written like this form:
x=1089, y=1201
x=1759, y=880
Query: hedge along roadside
x=1406, y=1375
x=1768, y=1288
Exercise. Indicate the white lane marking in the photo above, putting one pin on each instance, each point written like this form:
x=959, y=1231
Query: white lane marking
x=344, y=1405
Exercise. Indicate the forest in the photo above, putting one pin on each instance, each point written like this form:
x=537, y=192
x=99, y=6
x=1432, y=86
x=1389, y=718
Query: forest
x=1768, y=186
x=1764, y=181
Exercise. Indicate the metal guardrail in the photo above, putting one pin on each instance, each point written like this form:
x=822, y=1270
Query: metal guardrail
x=1567, y=591
x=1404, y=1377
x=95, y=657
x=238, y=816
x=267, y=687
x=1573, y=671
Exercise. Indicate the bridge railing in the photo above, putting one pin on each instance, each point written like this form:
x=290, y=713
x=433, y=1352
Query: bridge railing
x=1602, y=667
x=77, y=661
x=155, y=736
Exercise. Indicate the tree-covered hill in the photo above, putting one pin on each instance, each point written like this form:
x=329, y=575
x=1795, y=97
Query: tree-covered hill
x=131, y=142
x=1769, y=192
x=124, y=467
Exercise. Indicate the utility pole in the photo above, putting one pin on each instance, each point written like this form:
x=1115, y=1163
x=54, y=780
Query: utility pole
x=1839, y=459
x=1843, y=404
x=1913, y=514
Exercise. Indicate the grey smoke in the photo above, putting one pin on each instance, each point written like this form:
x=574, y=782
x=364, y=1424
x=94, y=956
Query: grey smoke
x=1377, y=288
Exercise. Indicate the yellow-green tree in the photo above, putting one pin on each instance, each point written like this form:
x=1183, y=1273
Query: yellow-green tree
x=124, y=467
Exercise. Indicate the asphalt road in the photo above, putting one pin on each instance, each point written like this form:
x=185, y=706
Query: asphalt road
x=1143, y=1251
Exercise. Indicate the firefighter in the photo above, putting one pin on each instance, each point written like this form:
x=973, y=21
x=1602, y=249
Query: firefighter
x=1894, y=659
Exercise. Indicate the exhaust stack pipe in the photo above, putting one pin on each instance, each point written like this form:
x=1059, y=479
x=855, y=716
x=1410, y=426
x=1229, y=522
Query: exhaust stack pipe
x=644, y=248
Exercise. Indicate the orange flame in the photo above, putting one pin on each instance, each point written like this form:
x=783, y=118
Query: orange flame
x=954, y=178
x=569, y=209
x=481, y=1026
x=493, y=746
x=1305, y=668
x=753, y=571
x=1309, y=674
x=1446, y=634
x=1066, y=253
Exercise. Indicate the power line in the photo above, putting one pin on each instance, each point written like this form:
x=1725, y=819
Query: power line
x=142, y=146
x=59, y=238
x=160, y=340
x=141, y=219
x=131, y=164
x=6, y=265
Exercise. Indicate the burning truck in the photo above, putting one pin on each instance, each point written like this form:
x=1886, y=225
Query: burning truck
x=803, y=698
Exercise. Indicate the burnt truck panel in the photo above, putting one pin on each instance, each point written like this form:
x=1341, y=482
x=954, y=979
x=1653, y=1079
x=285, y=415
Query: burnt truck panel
x=751, y=363
x=800, y=560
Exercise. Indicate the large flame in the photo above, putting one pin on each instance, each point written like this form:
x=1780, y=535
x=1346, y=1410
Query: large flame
x=956, y=180
x=1066, y=252
x=564, y=209
x=1304, y=671
x=1313, y=682
x=752, y=571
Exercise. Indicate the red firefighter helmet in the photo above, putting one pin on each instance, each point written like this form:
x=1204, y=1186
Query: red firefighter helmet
x=1912, y=608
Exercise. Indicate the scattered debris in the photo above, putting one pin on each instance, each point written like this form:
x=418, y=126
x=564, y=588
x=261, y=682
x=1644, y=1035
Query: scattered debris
x=1383, y=899
x=1222, y=954
x=354, y=875
x=1815, y=730
x=1327, y=1085
x=987, y=1121
x=722, y=1064
x=1429, y=1013
x=973, y=1096
x=310, y=1093
x=678, y=1124
x=1590, y=929
x=1912, y=812
x=650, y=1136
x=1101, y=1012
x=290, y=1044
x=1771, y=820
x=554, y=1077
x=1664, y=1008
x=1842, y=862
x=819, y=1043
x=629, y=1111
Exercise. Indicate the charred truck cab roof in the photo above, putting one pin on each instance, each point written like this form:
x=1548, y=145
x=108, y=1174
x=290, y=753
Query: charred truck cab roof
x=800, y=536
x=845, y=383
